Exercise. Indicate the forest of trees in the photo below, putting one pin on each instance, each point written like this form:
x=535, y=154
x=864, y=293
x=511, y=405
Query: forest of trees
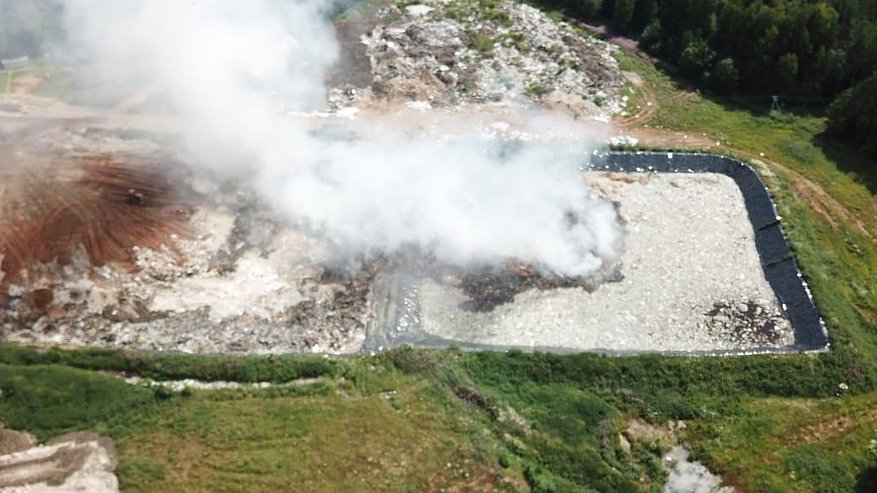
x=819, y=50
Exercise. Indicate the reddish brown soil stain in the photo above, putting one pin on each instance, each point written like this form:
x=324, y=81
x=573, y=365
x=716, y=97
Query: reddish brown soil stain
x=108, y=208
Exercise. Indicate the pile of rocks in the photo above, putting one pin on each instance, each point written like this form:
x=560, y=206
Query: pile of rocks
x=749, y=322
x=73, y=462
x=447, y=52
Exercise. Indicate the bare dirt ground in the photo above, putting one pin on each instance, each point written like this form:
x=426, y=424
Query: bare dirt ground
x=627, y=44
x=15, y=441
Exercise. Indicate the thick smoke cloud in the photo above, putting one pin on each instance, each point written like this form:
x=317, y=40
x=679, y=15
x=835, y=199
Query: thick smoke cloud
x=235, y=70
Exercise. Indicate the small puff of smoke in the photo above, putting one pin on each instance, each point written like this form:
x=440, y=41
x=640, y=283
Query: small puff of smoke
x=235, y=68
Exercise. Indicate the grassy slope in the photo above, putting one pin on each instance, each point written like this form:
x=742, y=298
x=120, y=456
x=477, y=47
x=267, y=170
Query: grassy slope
x=403, y=439
x=760, y=447
x=371, y=429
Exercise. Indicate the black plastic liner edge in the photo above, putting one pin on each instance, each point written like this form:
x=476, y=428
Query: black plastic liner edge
x=776, y=256
x=779, y=265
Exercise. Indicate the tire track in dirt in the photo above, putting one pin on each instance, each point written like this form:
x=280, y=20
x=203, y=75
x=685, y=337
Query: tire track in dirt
x=649, y=106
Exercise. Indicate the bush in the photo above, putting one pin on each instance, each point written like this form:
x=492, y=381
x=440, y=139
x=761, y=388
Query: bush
x=696, y=59
x=539, y=481
x=179, y=366
x=853, y=116
x=50, y=400
x=724, y=77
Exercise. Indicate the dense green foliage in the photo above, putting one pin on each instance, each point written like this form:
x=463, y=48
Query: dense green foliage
x=803, y=48
x=178, y=366
x=853, y=116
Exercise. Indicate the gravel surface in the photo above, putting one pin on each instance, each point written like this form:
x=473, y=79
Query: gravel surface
x=458, y=52
x=692, y=281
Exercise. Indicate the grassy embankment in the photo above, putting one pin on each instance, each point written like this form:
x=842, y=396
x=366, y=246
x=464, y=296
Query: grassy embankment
x=826, y=195
x=765, y=423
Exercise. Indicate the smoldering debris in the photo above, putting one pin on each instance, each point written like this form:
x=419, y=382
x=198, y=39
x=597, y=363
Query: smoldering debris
x=241, y=279
x=483, y=289
x=143, y=250
x=691, y=280
x=266, y=236
x=238, y=71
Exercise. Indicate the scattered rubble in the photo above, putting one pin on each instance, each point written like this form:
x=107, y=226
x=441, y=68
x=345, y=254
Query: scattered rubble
x=445, y=53
x=748, y=322
x=231, y=277
x=221, y=275
x=127, y=245
x=73, y=462
x=623, y=141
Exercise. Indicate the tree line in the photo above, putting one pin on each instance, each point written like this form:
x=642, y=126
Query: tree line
x=804, y=49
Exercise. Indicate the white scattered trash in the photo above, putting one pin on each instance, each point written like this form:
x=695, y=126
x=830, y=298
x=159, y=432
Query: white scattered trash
x=690, y=476
x=623, y=140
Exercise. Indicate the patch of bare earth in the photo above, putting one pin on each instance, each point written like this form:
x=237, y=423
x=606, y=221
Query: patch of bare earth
x=644, y=112
x=102, y=204
x=26, y=84
x=833, y=428
x=12, y=441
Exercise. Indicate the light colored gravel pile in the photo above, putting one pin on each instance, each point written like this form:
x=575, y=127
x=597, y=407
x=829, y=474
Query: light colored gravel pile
x=453, y=52
x=690, y=268
x=78, y=461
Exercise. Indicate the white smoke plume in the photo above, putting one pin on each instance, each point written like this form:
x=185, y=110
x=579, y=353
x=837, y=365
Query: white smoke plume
x=235, y=69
